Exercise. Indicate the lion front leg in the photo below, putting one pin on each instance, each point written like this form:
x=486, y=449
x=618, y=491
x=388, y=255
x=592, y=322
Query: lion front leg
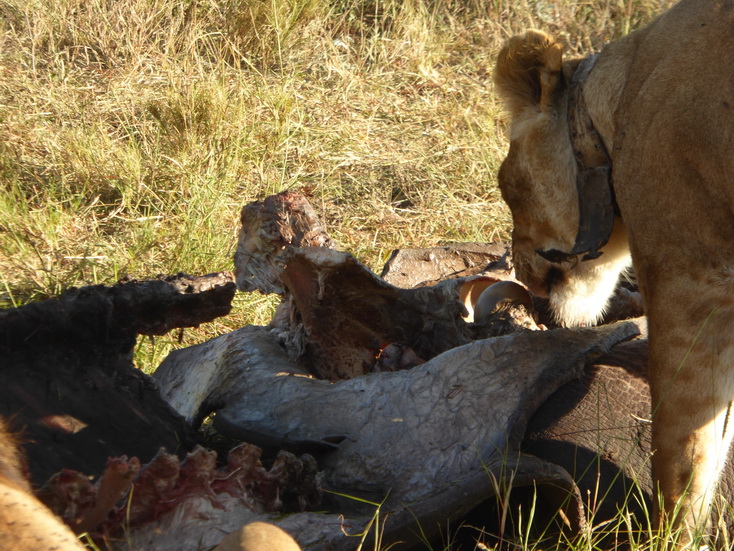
x=692, y=387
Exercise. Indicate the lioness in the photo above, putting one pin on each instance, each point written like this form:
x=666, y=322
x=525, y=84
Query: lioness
x=633, y=151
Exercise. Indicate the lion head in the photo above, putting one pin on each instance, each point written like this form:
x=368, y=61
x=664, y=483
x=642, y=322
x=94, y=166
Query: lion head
x=568, y=245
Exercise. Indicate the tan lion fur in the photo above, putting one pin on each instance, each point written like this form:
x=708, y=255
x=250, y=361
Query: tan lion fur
x=662, y=100
x=25, y=523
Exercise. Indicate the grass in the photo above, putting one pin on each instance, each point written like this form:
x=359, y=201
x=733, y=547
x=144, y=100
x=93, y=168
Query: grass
x=133, y=131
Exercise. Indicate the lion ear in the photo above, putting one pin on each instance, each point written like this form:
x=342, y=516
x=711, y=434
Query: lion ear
x=528, y=72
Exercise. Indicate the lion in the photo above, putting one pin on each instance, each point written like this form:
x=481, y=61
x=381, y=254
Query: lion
x=628, y=156
x=25, y=523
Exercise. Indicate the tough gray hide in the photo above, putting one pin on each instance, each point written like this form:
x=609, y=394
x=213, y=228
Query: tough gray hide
x=422, y=438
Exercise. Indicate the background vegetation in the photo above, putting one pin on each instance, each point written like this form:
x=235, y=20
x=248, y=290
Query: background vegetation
x=133, y=131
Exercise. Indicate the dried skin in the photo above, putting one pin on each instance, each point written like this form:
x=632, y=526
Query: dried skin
x=67, y=375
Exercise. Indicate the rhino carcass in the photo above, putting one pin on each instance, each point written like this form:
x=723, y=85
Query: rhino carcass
x=426, y=442
x=429, y=442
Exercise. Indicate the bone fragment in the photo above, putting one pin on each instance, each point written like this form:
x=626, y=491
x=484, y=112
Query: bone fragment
x=500, y=295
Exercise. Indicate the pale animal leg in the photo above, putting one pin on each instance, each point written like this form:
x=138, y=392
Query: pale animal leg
x=692, y=387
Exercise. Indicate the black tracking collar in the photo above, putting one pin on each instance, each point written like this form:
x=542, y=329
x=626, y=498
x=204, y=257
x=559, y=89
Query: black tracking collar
x=597, y=205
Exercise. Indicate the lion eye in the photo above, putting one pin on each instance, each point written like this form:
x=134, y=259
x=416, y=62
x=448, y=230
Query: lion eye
x=555, y=256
